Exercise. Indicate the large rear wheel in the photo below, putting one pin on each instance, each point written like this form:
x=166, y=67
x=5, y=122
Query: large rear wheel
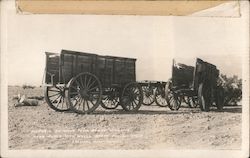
x=84, y=93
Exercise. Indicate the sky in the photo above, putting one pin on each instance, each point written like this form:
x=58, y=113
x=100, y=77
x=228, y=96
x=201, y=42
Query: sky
x=153, y=40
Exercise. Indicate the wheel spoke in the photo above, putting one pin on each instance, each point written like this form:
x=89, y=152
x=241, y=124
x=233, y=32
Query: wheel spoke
x=88, y=104
x=113, y=102
x=135, y=103
x=132, y=103
x=52, y=90
x=152, y=97
x=136, y=91
x=92, y=102
x=89, y=90
x=83, y=108
x=87, y=85
x=54, y=95
x=79, y=84
x=91, y=84
x=78, y=102
x=57, y=104
x=55, y=99
x=137, y=99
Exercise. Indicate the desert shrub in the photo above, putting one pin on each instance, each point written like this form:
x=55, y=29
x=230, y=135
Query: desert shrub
x=232, y=89
x=26, y=86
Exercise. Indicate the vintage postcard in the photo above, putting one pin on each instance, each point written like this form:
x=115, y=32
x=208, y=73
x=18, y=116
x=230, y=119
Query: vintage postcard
x=124, y=78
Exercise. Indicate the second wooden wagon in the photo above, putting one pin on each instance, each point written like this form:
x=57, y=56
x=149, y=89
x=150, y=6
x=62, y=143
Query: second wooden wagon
x=197, y=85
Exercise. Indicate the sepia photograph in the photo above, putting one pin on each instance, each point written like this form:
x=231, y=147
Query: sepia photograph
x=125, y=85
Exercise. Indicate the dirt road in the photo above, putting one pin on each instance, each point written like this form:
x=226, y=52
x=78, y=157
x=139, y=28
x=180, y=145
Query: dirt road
x=152, y=127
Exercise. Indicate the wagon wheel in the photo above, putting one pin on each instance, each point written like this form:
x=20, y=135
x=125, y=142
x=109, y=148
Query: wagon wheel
x=204, y=97
x=148, y=95
x=55, y=98
x=174, y=101
x=160, y=97
x=192, y=102
x=132, y=97
x=84, y=93
x=109, y=102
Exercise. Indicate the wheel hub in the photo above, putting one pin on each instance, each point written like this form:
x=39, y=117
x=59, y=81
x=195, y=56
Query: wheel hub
x=84, y=93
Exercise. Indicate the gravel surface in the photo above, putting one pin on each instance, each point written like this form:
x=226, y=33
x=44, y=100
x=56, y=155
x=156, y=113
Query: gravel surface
x=152, y=127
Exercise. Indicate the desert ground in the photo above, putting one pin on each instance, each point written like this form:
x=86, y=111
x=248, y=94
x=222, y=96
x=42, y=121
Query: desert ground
x=152, y=127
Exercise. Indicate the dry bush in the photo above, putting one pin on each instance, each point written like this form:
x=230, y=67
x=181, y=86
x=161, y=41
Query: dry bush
x=26, y=86
x=232, y=89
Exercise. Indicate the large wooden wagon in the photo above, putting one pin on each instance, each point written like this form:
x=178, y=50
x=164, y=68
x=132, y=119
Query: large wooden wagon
x=195, y=85
x=81, y=81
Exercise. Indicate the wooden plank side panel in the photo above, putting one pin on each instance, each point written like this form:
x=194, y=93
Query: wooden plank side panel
x=124, y=71
x=119, y=69
x=130, y=71
x=74, y=63
x=67, y=66
x=85, y=63
x=52, y=69
x=205, y=73
x=110, y=70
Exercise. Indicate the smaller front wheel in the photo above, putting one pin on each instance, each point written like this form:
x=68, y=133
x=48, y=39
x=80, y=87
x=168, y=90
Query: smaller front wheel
x=55, y=98
x=132, y=97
